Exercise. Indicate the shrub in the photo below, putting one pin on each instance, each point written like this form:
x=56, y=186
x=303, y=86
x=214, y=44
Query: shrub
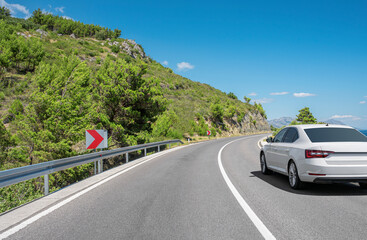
x=216, y=112
x=165, y=125
x=16, y=108
x=230, y=112
x=232, y=95
x=115, y=48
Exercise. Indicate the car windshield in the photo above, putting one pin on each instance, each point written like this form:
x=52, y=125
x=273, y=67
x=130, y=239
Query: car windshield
x=335, y=135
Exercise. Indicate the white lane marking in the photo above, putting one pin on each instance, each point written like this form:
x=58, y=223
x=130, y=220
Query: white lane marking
x=31, y=220
x=254, y=218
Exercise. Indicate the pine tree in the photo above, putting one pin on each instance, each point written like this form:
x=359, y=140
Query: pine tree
x=306, y=117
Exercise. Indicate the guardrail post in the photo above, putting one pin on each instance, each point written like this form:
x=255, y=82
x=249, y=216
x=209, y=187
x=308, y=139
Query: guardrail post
x=169, y=146
x=100, y=166
x=46, y=184
x=95, y=167
x=159, y=148
x=127, y=157
x=145, y=152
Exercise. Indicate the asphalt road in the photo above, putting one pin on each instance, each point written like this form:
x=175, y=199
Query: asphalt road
x=183, y=195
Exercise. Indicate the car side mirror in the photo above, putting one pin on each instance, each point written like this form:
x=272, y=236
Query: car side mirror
x=269, y=140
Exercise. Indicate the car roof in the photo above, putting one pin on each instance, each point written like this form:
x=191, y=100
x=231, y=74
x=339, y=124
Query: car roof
x=324, y=125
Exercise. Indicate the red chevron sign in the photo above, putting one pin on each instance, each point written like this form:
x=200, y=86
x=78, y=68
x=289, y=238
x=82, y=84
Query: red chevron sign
x=96, y=139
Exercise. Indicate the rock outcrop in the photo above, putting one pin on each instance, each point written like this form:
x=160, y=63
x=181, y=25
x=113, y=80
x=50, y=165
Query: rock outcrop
x=251, y=123
x=130, y=47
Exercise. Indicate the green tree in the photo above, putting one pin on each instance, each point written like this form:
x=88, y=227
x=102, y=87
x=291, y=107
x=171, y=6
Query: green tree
x=232, y=95
x=16, y=108
x=6, y=36
x=306, y=117
x=4, y=13
x=216, y=112
x=37, y=16
x=69, y=26
x=34, y=54
x=230, y=112
x=166, y=125
x=117, y=33
x=247, y=99
x=128, y=104
x=260, y=109
x=59, y=111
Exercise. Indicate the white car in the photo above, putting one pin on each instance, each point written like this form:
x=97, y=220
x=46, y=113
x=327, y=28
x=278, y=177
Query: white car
x=318, y=153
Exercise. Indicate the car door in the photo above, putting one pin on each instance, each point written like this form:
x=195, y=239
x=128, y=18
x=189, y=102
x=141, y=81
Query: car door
x=272, y=153
x=284, y=147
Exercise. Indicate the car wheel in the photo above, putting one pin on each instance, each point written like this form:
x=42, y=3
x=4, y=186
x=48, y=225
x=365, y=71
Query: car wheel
x=363, y=185
x=293, y=177
x=264, y=168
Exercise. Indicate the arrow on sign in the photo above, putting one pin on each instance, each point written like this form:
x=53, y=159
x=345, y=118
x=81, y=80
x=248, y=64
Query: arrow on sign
x=208, y=133
x=97, y=139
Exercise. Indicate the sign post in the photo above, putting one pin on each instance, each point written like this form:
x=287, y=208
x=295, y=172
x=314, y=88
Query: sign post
x=96, y=139
x=208, y=133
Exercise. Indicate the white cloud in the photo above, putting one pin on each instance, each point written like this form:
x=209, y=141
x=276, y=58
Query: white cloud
x=302, y=94
x=15, y=9
x=362, y=102
x=278, y=93
x=263, y=100
x=44, y=11
x=252, y=94
x=59, y=9
x=184, y=66
x=165, y=62
x=346, y=117
x=66, y=17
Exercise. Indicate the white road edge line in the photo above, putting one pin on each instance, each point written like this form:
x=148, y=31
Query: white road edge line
x=31, y=220
x=250, y=213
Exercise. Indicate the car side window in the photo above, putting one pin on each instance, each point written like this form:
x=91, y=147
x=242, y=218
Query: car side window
x=280, y=135
x=291, y=135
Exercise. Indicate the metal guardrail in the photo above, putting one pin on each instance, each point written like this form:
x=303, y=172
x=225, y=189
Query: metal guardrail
x=16, y=175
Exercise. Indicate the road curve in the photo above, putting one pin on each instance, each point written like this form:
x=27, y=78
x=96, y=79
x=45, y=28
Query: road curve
x=183, y=195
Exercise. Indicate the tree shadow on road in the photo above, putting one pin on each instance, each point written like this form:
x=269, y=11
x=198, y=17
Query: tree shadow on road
x=337, y=189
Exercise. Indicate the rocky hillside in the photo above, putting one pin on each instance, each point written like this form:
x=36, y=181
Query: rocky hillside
x=47, y=60
x=59, y=77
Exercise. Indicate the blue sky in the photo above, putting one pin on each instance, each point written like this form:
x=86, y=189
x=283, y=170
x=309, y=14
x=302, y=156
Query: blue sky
x=285, y=54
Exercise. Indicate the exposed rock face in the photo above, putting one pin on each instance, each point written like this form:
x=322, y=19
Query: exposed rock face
x=24, y=35
x=250, y=124
x=130, y=47
x=137, y=48
x=72, y=35
x=42, y=32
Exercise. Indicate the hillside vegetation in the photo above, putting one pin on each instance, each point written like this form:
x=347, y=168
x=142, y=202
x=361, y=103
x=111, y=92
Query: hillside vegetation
x=59, y=77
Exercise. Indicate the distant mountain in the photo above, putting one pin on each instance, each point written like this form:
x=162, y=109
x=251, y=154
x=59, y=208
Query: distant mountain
x=280, y=122
x=333, y=121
